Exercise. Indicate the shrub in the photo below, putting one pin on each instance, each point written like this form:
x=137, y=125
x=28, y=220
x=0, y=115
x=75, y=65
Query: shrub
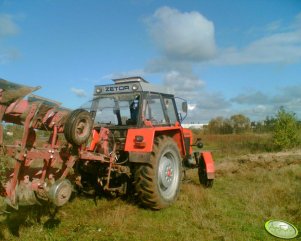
x=286, y=130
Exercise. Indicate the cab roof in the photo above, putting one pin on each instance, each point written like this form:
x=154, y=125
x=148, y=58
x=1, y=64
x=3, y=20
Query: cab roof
x=130, y=85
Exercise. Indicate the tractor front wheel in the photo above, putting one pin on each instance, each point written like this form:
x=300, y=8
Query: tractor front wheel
x=158, y=182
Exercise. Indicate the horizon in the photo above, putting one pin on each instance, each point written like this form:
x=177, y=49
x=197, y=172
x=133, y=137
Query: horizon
x=222, y=57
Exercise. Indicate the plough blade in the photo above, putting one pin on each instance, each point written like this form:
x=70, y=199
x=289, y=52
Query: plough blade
x=10, y=92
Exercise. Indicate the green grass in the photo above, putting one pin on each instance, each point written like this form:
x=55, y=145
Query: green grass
x=247, y=192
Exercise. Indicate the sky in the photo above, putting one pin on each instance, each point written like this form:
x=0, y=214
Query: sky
x=225, y=57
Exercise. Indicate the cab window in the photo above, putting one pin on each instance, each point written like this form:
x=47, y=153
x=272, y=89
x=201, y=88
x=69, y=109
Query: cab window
x=170, y=110
x=153, y=110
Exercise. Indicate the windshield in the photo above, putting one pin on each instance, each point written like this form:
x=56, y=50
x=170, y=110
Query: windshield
x=119, y=109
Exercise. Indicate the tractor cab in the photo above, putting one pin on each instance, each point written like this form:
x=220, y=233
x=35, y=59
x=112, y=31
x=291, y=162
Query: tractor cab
x=133, y=102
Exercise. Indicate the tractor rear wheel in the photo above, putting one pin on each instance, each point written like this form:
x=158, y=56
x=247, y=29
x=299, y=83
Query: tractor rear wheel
x=158, y=182
x=78, y=127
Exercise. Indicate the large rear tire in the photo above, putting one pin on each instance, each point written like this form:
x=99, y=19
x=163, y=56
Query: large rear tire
x=78, y=127
x=158, y=182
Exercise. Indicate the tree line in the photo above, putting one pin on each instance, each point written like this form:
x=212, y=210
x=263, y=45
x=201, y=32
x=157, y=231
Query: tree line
x=284, y=127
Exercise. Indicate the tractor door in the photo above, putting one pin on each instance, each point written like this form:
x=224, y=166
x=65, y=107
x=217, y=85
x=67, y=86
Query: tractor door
x=152, y=110
x=170, y=109
x=159, y=110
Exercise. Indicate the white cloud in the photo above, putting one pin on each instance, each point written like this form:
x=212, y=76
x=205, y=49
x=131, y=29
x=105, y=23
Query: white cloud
x=7, y=55
x=7, y=29
x=251, y=98
x=283, y=46
x=260, y=109
x=202, y=106
x=258, y=105
x=7, y=26
x=182, y=36
x=186, y=40
x=274, y=26
x=130, y=73
x=183, y=82
x=163, y=65
x=287, y=94
x=79, y=92
x=191, y=106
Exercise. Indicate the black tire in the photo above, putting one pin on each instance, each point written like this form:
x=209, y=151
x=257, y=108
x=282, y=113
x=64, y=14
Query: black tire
x=203, y=177
x=78, y=127
x=158, y=183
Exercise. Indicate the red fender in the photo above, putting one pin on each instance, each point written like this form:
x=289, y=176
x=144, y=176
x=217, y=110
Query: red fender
x=208, y=159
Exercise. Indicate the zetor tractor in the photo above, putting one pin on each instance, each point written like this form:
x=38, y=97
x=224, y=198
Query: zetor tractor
x=127, y=140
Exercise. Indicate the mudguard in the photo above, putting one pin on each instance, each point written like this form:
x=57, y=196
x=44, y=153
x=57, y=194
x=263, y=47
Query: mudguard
x=209, y=163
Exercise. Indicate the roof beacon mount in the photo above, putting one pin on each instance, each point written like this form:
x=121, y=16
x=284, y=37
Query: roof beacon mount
x=129, y=80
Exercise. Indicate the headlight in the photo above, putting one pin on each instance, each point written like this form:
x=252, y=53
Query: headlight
x=135, y=87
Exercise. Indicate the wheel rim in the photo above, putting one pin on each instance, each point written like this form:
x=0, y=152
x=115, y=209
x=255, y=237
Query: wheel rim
x=82, y=128
x=60, y=192
x=168, y=175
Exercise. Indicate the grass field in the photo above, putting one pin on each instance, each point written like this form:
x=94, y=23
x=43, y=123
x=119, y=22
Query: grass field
x=249, y=190
x=238, y=144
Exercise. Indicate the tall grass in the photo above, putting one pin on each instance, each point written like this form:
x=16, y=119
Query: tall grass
x=237, y=144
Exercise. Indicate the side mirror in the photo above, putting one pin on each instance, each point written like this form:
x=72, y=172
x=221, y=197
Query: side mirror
x=184, y=107
x=198, y=143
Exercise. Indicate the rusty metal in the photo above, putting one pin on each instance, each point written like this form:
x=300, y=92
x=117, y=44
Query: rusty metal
x=38, y=114
x=41, y=172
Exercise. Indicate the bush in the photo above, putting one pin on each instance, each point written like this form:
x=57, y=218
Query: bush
x=286, y=130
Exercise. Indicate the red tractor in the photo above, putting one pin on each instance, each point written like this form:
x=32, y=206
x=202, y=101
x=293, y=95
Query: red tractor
x=127, y=140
